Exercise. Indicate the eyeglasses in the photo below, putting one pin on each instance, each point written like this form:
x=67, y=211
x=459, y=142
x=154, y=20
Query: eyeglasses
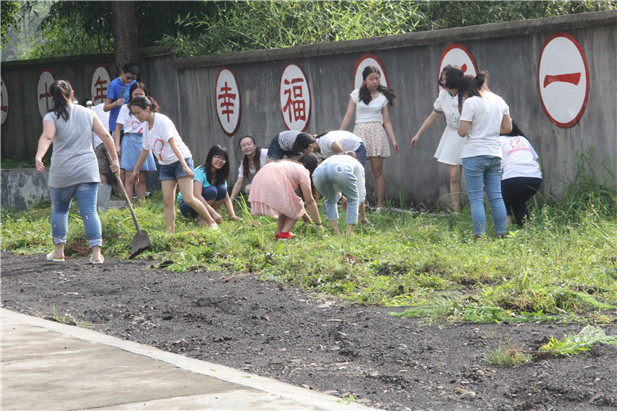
x=220, y=158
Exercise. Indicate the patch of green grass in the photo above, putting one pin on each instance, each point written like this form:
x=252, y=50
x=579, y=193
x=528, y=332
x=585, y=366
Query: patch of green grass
x=508, y=355
x=561, y=268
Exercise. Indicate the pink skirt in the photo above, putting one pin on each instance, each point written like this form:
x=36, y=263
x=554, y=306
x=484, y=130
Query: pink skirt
x=374, y=137
x=272, y=194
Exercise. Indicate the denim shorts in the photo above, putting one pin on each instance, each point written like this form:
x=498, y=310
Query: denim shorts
x=174, y=171
x=275, y=152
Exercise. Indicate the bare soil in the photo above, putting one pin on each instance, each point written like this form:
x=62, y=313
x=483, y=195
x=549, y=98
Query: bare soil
x=304, y=339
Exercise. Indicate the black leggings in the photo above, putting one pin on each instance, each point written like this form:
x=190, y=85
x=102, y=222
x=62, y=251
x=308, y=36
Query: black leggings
x=515, y=192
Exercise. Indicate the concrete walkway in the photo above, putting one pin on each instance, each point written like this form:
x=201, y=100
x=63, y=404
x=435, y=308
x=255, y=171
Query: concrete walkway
x=53, y=366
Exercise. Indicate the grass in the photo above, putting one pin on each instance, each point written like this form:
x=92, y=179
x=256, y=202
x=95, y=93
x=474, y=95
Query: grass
x=562, y=268
x=508, y=355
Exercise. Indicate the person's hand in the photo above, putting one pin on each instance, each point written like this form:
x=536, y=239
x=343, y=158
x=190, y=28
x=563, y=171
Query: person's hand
x=306, y=218
x=414, y=141
x=187, y=170
x=136, y=176
x=344, y=203
x=319, y=227
x=115, y=166
x=216, y=217
x=40, y=167
x=235, y=218
x=118, y=151
x=396, y=147
x=120, y=102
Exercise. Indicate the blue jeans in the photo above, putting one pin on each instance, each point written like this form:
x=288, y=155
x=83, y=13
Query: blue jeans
x=331, y=181
x=61, y=198
x=484, y=173
x=209, y=193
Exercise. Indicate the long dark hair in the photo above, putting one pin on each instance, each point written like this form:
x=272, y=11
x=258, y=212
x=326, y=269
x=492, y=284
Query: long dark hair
x=467, y=87
x=135, y=86
x=365, y=94
x=453, y=74
x=220, y=176
x=256, y=158
x=142, y=102
x=516, y=131
x=60, y=91
x=310, y=161
x=303, y=141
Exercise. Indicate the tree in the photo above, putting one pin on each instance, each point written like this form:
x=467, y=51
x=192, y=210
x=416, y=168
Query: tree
x=124, y=26
x=9, y=10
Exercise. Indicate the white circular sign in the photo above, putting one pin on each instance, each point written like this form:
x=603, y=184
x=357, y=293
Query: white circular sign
x=363, y=62
x=43, y=96
x=295, y=98
x=4, y=102
x=563, y=80
x=457, y=55
x=99, y=85
x=227, y=100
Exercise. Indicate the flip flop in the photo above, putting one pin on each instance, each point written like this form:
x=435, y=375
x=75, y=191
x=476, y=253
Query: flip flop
x=94, y=262
x=50, y=257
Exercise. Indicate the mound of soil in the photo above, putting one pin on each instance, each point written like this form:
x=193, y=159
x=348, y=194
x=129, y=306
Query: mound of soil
x=327, y=345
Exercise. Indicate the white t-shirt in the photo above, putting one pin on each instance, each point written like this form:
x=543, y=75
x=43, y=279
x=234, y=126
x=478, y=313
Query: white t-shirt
x=519, y=158
x=104, y=117
x=348, y=141
x=371, y=112
x=287, y=139
x=485, y=114
x=157, y=137
x=448, y=105
x=263, y=157
x=129, y=121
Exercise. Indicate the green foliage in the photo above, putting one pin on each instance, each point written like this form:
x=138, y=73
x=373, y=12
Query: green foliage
x=277, y=24
x=251, y=25
x=211, y=27
x=575, y=344
x=508, y=355
x=10, y=16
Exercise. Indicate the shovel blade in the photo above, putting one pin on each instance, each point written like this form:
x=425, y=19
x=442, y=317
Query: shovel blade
x=141, y=242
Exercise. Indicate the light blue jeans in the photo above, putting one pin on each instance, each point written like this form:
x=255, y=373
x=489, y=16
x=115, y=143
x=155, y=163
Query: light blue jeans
x=331, y=181
x=61, y=198
x=484, y=173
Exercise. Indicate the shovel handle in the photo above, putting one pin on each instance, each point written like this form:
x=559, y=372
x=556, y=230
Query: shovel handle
x=126, y=197
x=128, y=202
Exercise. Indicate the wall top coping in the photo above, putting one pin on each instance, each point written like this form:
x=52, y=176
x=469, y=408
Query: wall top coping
x=144, y=52
x=458, y=34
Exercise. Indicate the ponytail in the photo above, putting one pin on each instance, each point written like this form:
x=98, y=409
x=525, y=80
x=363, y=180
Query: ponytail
x=60, y=91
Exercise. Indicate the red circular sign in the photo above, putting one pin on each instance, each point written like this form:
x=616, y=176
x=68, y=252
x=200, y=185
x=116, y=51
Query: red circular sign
x=563, y=80
x=457, y=55
x=43, y=97
x=368, y=60
x=227, y=101
x=295, y=97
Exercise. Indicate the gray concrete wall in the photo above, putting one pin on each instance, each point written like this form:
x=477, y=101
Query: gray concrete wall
x=22, y=189
x=508, y=51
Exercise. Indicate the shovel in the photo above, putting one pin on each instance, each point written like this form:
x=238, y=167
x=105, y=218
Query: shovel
x=141, y=241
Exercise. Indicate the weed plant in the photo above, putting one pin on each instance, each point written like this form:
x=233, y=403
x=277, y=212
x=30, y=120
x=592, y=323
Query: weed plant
x=561, y=267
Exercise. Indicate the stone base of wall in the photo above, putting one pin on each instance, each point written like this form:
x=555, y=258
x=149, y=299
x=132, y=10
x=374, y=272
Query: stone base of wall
x=24, y=188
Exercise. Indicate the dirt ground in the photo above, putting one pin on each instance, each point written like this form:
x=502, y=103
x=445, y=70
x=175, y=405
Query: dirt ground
x=327, y=345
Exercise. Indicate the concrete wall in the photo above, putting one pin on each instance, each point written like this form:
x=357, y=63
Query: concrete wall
x=508, y=51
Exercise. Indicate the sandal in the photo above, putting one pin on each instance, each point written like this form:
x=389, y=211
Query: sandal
x=50, y=257
x=94, y=262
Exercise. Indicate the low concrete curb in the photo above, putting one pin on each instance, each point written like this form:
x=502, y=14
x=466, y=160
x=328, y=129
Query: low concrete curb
x=49, y=365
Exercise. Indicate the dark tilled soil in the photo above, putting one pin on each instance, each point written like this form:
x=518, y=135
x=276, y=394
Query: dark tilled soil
x=331, y=346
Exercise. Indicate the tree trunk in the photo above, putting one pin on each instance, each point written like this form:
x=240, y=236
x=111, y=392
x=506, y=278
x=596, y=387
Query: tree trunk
x=124, y=27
